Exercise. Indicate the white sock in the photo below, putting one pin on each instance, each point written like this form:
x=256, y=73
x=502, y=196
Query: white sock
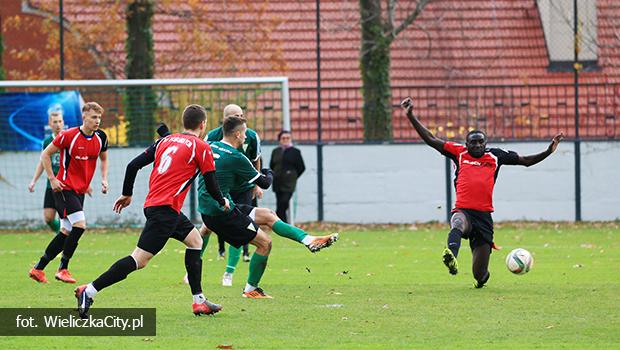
x=249, y=288
x=90, y=290
x=199, y=298
x=308, y=239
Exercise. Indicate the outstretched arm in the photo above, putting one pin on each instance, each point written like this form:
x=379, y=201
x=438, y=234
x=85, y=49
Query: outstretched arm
x=537, y=158
x=424, y=133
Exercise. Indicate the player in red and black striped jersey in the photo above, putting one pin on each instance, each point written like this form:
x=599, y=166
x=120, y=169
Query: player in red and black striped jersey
x=79, y=149
x=178, y=159
x=476, y=169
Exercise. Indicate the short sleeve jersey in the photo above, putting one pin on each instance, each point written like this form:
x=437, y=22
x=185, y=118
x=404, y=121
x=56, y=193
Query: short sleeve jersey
x=178, y=159
x=78, y=157
x=475, y=177
x=250, y=148
x=55, y=158
x=233, y=170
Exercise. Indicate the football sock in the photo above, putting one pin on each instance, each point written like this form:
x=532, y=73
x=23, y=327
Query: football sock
x=199, y=298
x=283, y=229
x=246, y=250
x=454, y=241
x=116, y=273
x=70, y=246
x=205, y=243
x=248, y=288
x=54, y=225
x=90, y=290
x=233, y=259
x=64, y=263
x=53, y=249
x=193, y=266
x=258, y=264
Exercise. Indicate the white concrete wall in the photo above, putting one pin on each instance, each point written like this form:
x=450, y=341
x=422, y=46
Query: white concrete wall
x=365, y=184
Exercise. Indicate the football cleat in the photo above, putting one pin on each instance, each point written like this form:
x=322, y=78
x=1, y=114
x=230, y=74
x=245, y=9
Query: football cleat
x=227, y=279
x=257, y=293
x=38, y=275
x=322, y=242
x=221, y=255
x=64, y=276
x=246, y=258
x=206, y=308
x=83, y=300
x=450, y=261
x=480, y=284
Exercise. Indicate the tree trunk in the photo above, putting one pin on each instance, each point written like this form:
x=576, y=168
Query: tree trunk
x=375, y=71
x=140, y=101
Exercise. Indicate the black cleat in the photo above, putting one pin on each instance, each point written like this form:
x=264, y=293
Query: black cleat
x=450, y=261
x=480, y=284
x=84, y=301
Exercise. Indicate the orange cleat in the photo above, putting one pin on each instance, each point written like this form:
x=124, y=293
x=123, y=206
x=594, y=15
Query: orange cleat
x=257, y=293
x=322, y=242
x=64, y=276
x=206, y=308
x=38, y=275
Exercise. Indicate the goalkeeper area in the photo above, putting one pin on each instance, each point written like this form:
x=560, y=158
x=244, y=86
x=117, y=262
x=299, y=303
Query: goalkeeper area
x=382, y=287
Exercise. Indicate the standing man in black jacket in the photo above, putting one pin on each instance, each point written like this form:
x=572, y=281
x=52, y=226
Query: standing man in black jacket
x=287, y=165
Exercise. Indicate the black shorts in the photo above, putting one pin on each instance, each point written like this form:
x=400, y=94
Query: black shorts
x=481, y=231
x=235, y=227
x=48, y=199
x=68, y=202
x=162, y=223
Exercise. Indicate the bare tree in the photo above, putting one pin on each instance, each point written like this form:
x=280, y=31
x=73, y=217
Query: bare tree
x=378, y=32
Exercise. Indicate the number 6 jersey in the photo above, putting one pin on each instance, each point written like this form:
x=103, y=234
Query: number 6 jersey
x=178, y=159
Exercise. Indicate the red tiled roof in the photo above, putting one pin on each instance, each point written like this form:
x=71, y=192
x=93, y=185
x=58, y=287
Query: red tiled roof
x=452, y=43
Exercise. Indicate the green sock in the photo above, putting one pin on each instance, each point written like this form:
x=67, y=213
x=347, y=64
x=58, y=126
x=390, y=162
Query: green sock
x=233, y=259
x=258, y=264
x=54, y=225
x=283, y=229
x=205, y=242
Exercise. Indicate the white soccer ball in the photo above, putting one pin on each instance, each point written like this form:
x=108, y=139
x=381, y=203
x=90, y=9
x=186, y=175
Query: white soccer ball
x=519, y=261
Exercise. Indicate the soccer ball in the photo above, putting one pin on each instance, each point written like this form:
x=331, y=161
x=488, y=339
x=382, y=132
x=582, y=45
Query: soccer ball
x=519, y=261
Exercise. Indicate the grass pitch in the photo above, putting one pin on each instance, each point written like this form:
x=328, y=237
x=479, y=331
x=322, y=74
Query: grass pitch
x=377, y=288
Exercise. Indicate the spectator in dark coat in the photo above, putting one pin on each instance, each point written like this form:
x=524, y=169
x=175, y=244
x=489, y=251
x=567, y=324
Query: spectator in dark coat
x=287, y=165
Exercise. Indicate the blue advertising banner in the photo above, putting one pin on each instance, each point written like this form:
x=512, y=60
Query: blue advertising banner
x=23, y=117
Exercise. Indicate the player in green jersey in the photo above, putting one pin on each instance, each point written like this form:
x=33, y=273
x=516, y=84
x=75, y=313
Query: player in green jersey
x=244, y=193
x=56, y=123
x=240, y=225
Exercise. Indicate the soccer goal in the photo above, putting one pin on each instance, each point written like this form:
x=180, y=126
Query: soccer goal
x=133, y=108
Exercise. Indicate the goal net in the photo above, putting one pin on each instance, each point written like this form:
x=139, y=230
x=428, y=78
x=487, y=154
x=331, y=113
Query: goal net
x=133, y=108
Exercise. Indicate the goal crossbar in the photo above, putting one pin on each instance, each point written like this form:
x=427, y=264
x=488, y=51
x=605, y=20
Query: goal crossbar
x=283, y=81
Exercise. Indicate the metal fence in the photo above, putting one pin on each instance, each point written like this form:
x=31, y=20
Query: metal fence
x=506, y=113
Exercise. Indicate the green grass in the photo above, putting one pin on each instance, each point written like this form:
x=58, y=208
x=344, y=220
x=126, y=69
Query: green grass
x=376, y=288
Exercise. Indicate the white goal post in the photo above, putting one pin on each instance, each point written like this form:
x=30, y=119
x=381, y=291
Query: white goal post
x=282, y=81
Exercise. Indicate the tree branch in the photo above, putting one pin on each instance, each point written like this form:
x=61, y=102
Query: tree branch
x=412, y=16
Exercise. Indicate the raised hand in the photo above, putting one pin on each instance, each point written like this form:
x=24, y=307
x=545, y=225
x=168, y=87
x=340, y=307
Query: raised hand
x=407, y=104
x=556, y=140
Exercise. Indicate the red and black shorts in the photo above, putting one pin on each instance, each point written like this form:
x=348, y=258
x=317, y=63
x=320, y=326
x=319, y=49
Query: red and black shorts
x=162, y=223
x=68, y=202
x=481, y=227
